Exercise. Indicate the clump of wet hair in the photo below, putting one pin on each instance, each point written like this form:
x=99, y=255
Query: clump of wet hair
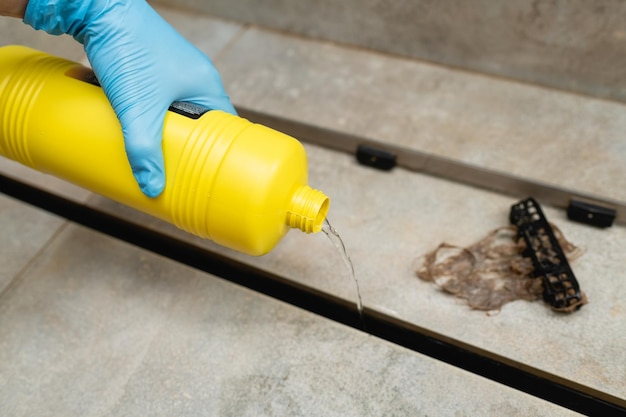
x=490, y=272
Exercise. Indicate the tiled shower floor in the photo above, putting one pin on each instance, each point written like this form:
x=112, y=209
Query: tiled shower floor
x=94, y=326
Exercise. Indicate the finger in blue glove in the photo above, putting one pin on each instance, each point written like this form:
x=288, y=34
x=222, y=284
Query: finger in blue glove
x=143, y=65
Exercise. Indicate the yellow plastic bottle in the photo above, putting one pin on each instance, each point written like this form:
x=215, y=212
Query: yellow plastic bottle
x=239, y=184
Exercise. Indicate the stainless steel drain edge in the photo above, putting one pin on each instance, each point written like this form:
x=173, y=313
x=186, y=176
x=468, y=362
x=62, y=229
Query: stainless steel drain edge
x=446, y=168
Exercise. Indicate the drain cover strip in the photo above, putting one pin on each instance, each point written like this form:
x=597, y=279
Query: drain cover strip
x=446, y=168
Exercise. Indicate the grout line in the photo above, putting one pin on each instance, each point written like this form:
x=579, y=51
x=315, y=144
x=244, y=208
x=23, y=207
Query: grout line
x=22, y=272
x=187, y=10
x=231, y=43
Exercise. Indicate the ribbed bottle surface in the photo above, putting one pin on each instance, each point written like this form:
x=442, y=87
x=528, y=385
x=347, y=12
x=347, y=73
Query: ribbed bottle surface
x=204, y=150
x=18, y=93
x=308, y=210
x=237, y=183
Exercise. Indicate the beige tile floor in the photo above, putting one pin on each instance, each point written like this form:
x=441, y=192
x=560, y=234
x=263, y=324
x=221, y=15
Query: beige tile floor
x=96, y=327
x=425, y=211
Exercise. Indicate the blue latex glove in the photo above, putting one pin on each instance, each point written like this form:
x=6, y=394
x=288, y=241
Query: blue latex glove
x=143, y=65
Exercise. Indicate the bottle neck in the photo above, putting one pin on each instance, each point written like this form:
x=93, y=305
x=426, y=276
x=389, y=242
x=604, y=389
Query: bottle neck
x=307, y=210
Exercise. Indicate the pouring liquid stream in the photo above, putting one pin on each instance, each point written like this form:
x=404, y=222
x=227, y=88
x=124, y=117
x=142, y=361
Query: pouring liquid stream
x=334, y=237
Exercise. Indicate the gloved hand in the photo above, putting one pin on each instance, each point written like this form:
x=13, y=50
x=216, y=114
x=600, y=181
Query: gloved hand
x=143, y=65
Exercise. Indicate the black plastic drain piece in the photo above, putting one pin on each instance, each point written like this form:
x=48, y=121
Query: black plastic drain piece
x=592, y=214
x=560, y=287
x=375, y=158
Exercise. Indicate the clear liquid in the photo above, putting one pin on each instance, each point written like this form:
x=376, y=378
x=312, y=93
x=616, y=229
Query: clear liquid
x=334, y=237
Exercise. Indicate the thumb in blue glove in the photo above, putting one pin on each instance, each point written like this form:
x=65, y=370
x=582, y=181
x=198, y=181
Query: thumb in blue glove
x=143, y=65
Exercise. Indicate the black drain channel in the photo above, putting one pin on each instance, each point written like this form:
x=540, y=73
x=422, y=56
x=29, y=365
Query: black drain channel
x=323, y=304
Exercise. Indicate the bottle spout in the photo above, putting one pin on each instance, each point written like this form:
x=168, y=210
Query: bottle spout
x=307, y=210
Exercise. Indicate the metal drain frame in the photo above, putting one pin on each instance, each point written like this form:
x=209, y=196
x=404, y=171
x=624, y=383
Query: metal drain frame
x=438, y=166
